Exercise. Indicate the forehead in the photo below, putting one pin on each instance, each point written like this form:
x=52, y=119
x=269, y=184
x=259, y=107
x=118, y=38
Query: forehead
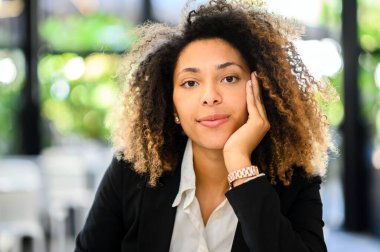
x=208, y=51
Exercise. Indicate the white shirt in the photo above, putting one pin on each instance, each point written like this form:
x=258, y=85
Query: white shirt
x=189, y=233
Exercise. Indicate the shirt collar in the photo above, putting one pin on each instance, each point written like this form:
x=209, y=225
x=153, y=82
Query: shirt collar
x=186, y=190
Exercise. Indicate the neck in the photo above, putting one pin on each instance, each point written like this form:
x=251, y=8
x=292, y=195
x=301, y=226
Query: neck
x=210, y=169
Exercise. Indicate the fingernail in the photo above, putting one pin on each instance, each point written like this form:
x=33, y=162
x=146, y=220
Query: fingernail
x=255, y=73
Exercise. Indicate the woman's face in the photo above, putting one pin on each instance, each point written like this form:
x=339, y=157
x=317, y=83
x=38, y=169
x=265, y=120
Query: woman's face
x=209, y=91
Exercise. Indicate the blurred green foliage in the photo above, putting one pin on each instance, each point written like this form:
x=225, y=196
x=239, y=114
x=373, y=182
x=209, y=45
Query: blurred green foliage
x=369, y=24
x=96, y=32
x=330, y=16
x=369, y=38
x=10, y=97
x=370, y=92
x=78, y=90
x=78, y=106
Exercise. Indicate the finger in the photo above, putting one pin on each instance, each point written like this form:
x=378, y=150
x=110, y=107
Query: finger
x=251, y=104
x=257, y=96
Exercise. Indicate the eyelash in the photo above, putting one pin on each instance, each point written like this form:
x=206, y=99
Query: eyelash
x=184, y=84
x=235, y=77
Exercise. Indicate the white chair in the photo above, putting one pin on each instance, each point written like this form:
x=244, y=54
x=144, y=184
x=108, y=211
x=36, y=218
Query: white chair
x=64, y=173
x=20, y=203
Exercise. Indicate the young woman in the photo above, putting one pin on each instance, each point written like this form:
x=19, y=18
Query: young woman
x=220, y=141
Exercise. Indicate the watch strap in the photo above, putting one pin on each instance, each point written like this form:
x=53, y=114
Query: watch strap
x=246, y=172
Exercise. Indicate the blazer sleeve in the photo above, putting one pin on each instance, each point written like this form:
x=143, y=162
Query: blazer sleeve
x=103, y=228
x=265, y=228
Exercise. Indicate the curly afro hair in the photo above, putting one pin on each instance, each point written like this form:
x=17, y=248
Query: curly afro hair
x=144, y=132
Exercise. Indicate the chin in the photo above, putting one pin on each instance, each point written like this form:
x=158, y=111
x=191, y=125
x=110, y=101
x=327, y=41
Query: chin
x=214, y=146
x=212, y=143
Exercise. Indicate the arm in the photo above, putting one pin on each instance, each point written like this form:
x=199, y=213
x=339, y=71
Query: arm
x=103, y=230
x=265, y=228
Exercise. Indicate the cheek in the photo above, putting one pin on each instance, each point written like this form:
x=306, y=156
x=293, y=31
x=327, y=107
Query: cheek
x=177, y=101
x=239, y=102
x=243, y=113
x=183, y=106
x=185, y=114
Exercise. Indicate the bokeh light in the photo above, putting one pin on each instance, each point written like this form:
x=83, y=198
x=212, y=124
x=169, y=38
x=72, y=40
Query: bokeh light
x=97, y=65
x=377, y=75
x=8, y=71
x=104, y=96
x=75, y=68
x=60, y=89
x=322, y=57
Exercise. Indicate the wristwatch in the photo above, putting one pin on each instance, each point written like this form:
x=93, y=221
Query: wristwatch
x=246, y=172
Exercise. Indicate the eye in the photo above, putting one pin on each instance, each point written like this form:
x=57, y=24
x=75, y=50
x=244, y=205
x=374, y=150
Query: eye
x=189, y=84
x=231, y=79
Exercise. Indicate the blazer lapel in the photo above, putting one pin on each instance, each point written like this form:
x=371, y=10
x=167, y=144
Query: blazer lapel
x=158, y=216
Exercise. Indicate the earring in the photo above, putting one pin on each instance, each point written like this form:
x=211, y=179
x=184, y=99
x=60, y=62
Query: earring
x=176, y=119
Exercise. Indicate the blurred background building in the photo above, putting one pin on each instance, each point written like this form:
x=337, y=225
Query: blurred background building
x=59, y=64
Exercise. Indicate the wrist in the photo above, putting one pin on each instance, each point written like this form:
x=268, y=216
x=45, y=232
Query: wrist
x=238, y=177
x=238, y=182
x=236, y=161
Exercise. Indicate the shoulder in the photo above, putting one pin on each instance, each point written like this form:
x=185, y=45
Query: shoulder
x=121, y=172
x=300, y=178
x=302, y=187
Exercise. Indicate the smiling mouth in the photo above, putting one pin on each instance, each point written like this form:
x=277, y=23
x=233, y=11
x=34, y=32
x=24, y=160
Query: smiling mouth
x=213, y=121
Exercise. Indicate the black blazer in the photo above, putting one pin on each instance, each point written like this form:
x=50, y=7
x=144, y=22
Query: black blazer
x=129, y=216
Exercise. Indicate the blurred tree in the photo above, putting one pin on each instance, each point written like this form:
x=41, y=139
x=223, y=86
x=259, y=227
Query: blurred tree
x=77, y=93
x=96, y=32
x=78, y=78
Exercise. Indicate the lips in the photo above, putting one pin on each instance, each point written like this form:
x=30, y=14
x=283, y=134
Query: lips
x=213, y=121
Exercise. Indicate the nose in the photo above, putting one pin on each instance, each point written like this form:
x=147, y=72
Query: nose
x=211, y=95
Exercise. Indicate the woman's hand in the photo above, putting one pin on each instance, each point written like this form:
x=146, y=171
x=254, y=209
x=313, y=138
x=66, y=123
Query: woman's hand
x=238, y=148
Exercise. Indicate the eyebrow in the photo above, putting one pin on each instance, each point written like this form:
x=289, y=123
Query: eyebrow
x=227, y=64
x=218, y=67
